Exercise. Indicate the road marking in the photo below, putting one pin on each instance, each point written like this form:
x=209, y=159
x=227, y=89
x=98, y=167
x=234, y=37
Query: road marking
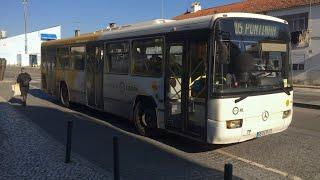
x=282, y=173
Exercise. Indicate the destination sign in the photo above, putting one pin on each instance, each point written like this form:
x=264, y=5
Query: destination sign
x=254, y=29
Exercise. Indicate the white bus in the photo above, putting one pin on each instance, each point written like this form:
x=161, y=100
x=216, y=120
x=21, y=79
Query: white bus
x=220, y=79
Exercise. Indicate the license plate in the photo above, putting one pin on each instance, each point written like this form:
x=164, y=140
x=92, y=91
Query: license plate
x=264, y=133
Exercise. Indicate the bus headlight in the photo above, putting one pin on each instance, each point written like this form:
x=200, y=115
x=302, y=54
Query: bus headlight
x=286, y=114
x=232, y=124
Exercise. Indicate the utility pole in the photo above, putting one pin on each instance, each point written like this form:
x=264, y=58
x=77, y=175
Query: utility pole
x=310, y=14
x=162, y=9
x=25, y=7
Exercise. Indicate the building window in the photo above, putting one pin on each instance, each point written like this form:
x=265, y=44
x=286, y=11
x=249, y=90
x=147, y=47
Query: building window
x=297, y=22
x=33, y=60
x=298, y=25
x=117, y=58
x=147, y=57
x=295, y=67
x=299, y=67
x=78, y=58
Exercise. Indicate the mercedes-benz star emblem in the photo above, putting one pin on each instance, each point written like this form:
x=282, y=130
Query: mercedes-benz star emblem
x=265, y=115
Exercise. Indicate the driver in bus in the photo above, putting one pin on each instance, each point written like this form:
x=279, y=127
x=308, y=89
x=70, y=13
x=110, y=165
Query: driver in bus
x=242, y=65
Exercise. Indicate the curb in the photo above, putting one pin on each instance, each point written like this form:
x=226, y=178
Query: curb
x=309, y=106
x=305, y=86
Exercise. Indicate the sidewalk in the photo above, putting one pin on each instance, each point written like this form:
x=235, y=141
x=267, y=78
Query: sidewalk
x=306, y=96
x=28, y=152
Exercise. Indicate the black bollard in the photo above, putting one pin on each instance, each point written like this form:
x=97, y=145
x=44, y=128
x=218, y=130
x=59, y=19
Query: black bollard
x=116, y=174
x=69, y=138
x=228, y=172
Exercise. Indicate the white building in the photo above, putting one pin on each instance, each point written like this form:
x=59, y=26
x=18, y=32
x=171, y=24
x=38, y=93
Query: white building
x=13, y=48
x=303, y=17
x=305, y=39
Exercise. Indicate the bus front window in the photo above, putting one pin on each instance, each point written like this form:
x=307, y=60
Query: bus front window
x=251, y=55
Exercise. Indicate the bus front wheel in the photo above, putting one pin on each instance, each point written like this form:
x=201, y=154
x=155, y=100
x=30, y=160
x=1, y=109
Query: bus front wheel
x=64, y=96
x=145, y=119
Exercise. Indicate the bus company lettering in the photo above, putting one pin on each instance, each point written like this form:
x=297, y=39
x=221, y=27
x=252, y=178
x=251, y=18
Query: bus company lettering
x=123, y=87
x=250, y=29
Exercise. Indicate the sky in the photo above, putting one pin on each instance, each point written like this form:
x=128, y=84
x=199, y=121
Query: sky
x=89, y=15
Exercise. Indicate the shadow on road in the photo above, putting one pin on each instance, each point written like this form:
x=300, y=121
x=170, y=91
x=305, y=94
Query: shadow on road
x=308, y=106
x=139, y=159
x=178, y=142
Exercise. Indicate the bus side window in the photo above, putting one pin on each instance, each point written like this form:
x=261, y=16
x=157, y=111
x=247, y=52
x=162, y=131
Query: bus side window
x=147, y=56
x=59, y=59
x=77, y=58
x=63, y=58
x=117, y=58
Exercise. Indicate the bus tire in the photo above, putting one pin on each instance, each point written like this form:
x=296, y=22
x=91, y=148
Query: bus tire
x=145, y=119
x=64, y=95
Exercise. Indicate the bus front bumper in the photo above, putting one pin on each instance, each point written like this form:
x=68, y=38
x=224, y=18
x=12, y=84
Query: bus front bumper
x=217, y=132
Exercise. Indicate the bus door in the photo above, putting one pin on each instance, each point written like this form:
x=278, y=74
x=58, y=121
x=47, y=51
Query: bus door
x=186, y=86
x=94, y=75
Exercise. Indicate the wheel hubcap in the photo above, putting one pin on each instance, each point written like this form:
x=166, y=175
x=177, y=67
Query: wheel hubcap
x=143, y=120
x=146, y=118
x=64, y=95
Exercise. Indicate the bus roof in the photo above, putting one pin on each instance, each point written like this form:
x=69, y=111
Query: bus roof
x=179, y=25
x=158, y=26
x=74, y=40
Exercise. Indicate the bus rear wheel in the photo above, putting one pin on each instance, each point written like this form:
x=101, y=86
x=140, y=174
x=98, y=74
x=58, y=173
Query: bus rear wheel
x=64, y=96
x=145, y=119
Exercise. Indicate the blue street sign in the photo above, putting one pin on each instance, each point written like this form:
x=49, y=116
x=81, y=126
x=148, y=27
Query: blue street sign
x=46, y=37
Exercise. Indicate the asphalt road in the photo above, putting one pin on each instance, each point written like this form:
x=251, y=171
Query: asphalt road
x=292, y=154
x=307, y=96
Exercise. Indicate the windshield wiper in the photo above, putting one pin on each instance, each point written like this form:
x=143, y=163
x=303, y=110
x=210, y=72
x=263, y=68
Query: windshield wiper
x=243, y=97
x=248, y=94
x=285, y=90
x=240, y=99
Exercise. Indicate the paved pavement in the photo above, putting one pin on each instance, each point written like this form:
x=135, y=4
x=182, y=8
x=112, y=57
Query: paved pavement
x=292, y=154
x=27, y=152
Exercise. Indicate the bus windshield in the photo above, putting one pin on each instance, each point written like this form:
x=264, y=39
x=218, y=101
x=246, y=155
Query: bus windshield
x=251, y=55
